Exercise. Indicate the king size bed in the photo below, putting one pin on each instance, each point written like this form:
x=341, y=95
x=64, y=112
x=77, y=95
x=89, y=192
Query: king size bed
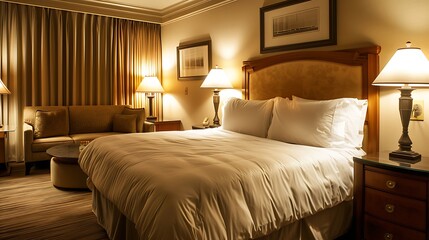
x=280, y=167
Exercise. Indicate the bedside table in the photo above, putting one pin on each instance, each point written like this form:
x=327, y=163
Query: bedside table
x=391, y=199
x=4, y=134
x=168, y=125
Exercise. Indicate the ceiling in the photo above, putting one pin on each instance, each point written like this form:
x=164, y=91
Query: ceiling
x=155, y=11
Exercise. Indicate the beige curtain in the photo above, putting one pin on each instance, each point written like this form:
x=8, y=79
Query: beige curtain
x=54, y=57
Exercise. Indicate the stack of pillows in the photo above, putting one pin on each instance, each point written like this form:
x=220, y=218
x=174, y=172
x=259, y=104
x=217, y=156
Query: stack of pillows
x=336, y=123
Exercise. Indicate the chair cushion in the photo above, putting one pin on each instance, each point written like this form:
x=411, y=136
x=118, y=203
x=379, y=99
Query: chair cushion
x=124, y=123
x=140, y=113
x=90, y=136
x=41, y=144
x=50, y=123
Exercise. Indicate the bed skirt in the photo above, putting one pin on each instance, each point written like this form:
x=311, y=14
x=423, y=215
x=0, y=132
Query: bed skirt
x=328, y=224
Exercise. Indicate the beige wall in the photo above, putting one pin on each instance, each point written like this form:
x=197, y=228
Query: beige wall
x=234, y=31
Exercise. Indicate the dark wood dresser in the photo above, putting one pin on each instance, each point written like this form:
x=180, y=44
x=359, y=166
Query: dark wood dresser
x=391, y=199
x=168, y=125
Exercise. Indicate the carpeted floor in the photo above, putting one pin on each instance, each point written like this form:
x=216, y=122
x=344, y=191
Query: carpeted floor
x=31, y=208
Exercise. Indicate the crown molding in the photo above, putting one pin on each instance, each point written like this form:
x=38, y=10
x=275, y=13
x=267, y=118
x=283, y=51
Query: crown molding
x=170, y=14
x=182, y=11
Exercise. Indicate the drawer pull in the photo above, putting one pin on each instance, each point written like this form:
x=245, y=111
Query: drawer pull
x=388, y=236
x=390, y=184
x=389, y=208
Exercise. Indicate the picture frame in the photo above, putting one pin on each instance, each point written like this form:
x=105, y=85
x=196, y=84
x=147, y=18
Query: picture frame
x=194, y=61
x=297, y=24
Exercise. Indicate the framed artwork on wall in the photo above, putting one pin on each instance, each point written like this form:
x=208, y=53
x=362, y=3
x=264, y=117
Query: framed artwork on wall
x=194, y=60
x=297, y=24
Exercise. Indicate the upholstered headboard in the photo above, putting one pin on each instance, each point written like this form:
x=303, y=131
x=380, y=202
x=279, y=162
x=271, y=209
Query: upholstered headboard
x=319, y=75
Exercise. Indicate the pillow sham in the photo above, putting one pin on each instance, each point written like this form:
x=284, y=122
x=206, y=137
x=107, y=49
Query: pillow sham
x=125, y=123
x=351, y=112
x=50, y=123
x=251, y=117
x=306, y=123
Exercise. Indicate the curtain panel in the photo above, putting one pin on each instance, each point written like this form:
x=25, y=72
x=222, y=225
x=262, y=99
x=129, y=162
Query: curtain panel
x=55, y=57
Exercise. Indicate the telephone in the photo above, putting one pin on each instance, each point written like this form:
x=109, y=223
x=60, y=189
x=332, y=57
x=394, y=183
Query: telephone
x=206, y=121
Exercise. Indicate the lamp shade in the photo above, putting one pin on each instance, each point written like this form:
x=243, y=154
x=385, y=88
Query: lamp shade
x=216, y=79
x=150, y=85
x=3, y=88
x=407, y=66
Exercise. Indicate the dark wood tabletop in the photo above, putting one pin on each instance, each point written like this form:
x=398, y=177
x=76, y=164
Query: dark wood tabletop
x=67, y=151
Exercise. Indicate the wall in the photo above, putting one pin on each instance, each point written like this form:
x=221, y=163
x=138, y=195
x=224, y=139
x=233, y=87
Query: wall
x=234, y=31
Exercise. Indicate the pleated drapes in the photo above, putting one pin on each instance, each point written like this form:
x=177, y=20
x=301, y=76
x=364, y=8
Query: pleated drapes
x=54, y=57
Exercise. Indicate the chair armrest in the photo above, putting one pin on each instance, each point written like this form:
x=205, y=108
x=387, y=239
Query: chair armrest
x=28, y=140
x=148, y=126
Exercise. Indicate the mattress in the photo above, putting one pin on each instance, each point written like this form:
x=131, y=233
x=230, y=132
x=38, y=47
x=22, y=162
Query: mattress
x=215, y=184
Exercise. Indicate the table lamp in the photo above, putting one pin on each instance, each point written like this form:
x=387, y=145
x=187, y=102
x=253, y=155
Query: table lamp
x=216, y=79
x=150, y=85
x=408, y=67
x=3, y=90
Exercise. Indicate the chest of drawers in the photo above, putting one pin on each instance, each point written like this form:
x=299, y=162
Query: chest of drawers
x=391, y=199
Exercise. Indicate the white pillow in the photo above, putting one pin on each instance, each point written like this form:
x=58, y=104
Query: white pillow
x=352, y=113
x=252, y=117
x=306, y=123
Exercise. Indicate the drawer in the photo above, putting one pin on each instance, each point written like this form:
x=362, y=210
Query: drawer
x=396, y=209
x=378, y=229
x=174, y=125
x=396, y=184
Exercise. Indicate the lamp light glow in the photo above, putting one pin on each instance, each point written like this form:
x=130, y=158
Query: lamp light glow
x=150, y=85
x=408, y=67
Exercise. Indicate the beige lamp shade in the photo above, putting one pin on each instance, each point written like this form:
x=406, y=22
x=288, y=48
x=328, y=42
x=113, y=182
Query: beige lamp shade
x=3, y=88
x=150, y=85
x=216, y=79
x=407, y=66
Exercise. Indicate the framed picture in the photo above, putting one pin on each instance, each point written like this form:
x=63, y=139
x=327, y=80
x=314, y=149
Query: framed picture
x=296, y=24
x=194, y=61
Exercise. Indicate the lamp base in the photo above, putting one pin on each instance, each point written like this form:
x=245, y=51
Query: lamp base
x=214, y=125
x=405, y=156
x=151, y=119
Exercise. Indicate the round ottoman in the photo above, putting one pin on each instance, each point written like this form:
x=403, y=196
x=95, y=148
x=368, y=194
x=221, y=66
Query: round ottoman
x=65, y=170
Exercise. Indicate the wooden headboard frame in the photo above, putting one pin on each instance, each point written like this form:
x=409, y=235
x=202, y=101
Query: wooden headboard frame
x=367, y=61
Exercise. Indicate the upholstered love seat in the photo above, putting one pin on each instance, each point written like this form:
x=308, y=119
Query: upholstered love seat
x=48, y=126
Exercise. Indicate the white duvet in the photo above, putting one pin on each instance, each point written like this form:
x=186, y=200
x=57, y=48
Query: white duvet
x=215, y=184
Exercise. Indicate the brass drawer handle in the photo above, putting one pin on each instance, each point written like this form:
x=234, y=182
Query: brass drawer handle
x=390, y=208
x=388, y=236
x=390, y=184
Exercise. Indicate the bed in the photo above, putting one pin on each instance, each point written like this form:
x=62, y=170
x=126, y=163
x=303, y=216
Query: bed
x=244, y=180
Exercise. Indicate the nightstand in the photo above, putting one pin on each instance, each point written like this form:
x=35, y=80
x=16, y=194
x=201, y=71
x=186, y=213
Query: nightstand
x=391, y=199
x=4, y=131
x=168, y=125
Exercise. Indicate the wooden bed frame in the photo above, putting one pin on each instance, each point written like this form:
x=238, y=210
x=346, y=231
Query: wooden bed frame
x=319, y=75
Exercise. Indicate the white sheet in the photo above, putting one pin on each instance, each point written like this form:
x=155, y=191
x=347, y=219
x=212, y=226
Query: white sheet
x=215, y=184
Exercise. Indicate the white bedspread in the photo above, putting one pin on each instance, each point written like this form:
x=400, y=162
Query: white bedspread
x=215, y=184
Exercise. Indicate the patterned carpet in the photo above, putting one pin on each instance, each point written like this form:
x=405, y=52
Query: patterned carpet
x=31, y=208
